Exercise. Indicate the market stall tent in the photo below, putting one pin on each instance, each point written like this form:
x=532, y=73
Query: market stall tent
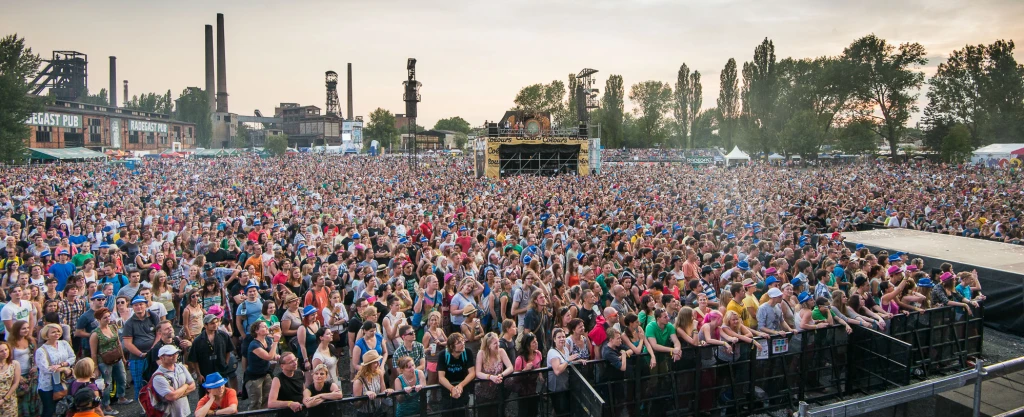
x=996, y=153
x=65, y=154
x=736, y=155
x=775, y=157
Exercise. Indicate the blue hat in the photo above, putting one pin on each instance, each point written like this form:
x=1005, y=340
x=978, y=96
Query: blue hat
x=925, y=282
x=859, y=246
x=463, y=229
x=894, y=257
x=547, y=231
x=544, y=216
x=98, y=295
x=301, y=246
x=743, y=265
x=900, y=253
x=423, y=239
x=252, y=284
x=403, y=240
x=771, y=280
x=139, y=299
x=803, y=297
x=728, y=223
x=638, y=227
x=796, y=281
x=308, y=310
x=648, y=233
x=121, y=225
x=731, y=236
x=560, y=226
x=838, y=272
x=104, y=245
x=452, y=224
x=527, y=259
x=355, y=236
x=106, y=228
x=256, y=222
x=214, y=380
x=63, y=252
x=444, y=234
x=44, y=253
x=580, y=256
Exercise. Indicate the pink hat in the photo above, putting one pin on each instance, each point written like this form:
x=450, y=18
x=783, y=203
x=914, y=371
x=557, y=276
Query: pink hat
x=946, y=276
x=215, y=310
x=911, y=268
x=893, y=270
x=771, y=271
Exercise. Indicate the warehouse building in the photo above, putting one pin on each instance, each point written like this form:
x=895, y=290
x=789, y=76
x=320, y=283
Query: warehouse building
x=68, y=124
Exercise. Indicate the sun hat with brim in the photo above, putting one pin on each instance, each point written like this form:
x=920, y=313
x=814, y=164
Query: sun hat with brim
x=369, y=357
x=894, y=257
x=925, y=283
x=748, y=282
x=216, y=310
x=946, y=276
x=290, y=297
x=214, y=380
x=771, y=280
x=803, y=297
x=795, y=282
x=893, y=270
x=743, y=265
x=308, y=310
x=139, y=299
x=251, y=285
x=912, y=268
x=469, y=310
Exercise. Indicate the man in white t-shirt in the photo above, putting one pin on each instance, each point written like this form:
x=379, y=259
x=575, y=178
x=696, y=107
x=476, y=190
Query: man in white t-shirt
x=17, y=310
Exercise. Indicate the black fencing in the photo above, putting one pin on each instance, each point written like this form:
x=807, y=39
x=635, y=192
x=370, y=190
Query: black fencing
x=877, y=361
x=809, y=366
x=943, y=339
x=522, y=394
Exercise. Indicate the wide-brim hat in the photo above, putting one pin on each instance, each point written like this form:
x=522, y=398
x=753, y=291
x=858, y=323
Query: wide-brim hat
x=214, y=380
x=469, y=310
x=370, y=357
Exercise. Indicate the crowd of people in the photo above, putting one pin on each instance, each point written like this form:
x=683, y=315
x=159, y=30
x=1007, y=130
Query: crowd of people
x=646, y=154
x=298, y=280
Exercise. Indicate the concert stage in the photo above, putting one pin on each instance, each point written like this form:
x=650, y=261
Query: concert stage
x=1000, y=266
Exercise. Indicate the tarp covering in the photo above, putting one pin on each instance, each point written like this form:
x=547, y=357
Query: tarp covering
x=995, y=153
x=50, y=154
x=208, y=153
x=775, y=156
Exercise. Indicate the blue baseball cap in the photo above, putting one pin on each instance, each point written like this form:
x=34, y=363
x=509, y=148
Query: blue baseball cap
x=99, y=295
x=139, y=299
x=838, y=271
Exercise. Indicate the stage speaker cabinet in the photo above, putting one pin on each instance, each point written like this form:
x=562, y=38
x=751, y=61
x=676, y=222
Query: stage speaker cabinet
x=410, y=109
x=492, y=130
x=583, y=130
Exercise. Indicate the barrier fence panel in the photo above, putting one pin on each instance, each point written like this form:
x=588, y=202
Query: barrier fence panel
x=877, y=361
x=942, y=338
x=584, y=399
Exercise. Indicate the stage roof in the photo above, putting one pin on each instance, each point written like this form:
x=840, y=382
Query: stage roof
x=982, y=253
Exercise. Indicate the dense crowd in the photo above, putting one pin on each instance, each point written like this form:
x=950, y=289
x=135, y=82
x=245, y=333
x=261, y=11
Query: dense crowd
x=646, y=154
x=302, y=279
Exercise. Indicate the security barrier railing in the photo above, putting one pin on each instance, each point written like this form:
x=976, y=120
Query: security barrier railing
x=943, y=338
x=877, y=361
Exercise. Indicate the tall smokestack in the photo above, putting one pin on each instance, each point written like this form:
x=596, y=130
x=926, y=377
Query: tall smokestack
x=125, y=93
x=211, y=94
x=351, y=116
x=222, y=70
x=113, y=81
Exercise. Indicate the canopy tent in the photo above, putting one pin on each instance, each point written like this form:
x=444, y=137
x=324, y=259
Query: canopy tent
x=208, y=153
x=996, y=153
x=775, y=157
x=64, y=154
x=736, y=155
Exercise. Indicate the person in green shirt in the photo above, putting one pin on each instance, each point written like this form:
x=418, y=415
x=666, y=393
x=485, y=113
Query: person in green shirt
x=660, y=333
x=82, y=255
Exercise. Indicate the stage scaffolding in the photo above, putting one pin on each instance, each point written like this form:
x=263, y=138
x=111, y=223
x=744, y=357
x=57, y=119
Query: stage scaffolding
x=539, y=160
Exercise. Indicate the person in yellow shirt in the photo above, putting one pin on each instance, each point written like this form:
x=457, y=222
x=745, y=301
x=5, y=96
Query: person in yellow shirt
x=736, y=304
x=750, y=304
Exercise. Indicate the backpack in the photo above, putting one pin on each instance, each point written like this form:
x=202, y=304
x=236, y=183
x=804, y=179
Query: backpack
x=152, y=403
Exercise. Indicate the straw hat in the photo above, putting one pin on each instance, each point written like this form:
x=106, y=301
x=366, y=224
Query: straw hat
x=289, y=298
x=370, y=357
x=469, y=310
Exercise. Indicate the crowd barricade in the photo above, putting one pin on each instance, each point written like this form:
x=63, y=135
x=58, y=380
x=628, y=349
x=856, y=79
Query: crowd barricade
x=942, y=339
x=877, y=361
x=522, y=394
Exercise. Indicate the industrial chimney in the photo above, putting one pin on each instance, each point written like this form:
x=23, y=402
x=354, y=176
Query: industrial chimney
x=222, y=71
x=113, y=81
x=351, y=116
x=125, y=93
x=211, y=93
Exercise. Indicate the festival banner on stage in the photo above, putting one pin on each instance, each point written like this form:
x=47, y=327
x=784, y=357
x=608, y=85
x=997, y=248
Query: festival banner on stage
x=492, y=165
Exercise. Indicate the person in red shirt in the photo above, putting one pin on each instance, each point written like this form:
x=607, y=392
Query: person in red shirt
x=317, y=296
x=426, y=229
x=219, y=399
x=465, y=241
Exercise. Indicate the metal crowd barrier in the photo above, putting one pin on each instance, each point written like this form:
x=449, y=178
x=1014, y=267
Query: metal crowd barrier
x=942, y=338
x=877, y=361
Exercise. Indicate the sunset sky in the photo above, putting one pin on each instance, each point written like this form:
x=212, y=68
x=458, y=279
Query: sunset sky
x=475, y=55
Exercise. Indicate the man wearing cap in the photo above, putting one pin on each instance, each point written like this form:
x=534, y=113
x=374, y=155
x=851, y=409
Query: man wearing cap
x=62, y=270
x=769, y=315
x=137, y=337
x=87, y=403
x=172, y=382
x=87, y=321
x=219, y=400
x=210, y=350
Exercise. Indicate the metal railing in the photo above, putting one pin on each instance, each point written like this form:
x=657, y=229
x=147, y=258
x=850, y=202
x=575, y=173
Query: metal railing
x=877, y=361
x=942, y=338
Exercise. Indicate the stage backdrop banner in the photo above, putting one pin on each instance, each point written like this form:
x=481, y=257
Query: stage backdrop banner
x=492, y=166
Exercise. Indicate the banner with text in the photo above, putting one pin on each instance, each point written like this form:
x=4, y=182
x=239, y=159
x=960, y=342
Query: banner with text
x=492, y=165
x=54, y=120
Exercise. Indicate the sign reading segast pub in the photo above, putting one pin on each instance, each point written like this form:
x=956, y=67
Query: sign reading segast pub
x=144, y=126
x=55, y=120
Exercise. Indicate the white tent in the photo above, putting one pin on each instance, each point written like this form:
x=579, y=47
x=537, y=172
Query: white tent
x=775, y=157
x=736, y=155
x=995, y=152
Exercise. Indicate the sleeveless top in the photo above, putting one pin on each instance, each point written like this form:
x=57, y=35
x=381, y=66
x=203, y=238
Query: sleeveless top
x=195, y=321
x=312, y=343
x=105, y=344
x=326, y=389
x=410, y=404
x=582, y=352
x=363, y=347
x=433, y=354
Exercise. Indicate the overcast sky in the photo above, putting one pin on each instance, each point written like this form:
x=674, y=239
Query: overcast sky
x=474, y=56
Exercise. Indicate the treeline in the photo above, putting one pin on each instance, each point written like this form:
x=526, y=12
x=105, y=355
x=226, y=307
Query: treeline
x=855, y=102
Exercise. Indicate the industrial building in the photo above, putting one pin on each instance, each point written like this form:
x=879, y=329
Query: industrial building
x=67, y=124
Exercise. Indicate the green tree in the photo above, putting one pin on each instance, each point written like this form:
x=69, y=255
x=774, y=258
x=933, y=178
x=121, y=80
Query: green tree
x=611, y=113
x=194, y=107
x=98, y=99
x=17, y=67
x=461, y=139
x=276, y=145
x=956, y=146
x=858, y=137
x=1005, y=93
x=682, y=95
x=380, y=128
x=702, y=132
x=455, y=124
x=728, y=104
x=569, y=116
x=696, y=100
x=761, y=96
x=801, y=134
x=651, y=100
x=542, y=98
x=242, y=137
x=887, y=78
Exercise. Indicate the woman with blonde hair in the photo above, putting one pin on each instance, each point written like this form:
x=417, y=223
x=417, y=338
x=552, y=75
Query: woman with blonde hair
x=434, y=344
x=369, y=381
x=321, y=389
x=734, y=327
x=492, y=365
x=54, y=359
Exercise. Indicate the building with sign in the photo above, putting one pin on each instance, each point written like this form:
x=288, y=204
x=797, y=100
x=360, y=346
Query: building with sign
x=68, y=124
x=306, y=127
x=525, y=143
